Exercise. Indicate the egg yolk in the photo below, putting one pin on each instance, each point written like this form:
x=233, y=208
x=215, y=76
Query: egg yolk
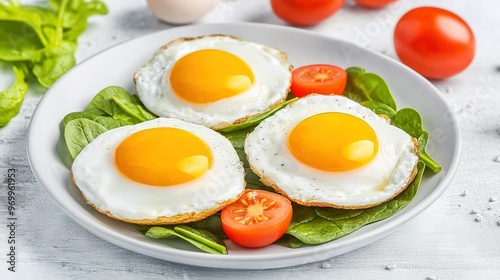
x=333, y=142
x=163, y=156
x=210, y=75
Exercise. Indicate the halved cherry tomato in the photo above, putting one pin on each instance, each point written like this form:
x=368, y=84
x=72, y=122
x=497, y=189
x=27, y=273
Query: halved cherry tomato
x=305, y=12
x=318, y=78
x=374, y=3
x=257, y=218
x=434, y=42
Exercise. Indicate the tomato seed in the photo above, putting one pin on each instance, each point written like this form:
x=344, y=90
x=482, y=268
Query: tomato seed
x=270, y=204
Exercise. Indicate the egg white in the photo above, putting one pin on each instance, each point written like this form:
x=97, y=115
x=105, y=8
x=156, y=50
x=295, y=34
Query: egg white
x=271, y=71
x=104, y=187
x=377, y=181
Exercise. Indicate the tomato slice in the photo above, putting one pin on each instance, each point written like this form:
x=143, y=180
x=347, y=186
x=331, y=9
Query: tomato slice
x=318, y=78
x=257, y=218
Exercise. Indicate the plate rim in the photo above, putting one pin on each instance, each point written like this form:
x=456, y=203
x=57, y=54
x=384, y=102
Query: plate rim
x=233, y=261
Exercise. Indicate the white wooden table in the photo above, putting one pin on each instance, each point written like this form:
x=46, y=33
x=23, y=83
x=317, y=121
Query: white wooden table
x=444, y=242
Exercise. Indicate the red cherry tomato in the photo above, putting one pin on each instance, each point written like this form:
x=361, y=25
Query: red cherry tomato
x=375, y=4
x=318, y=78
x=305, y=12
x=434, y=42
x=257, y=219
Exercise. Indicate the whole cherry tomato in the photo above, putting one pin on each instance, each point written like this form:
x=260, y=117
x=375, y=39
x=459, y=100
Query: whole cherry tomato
x=305, y=12
x=434, y=42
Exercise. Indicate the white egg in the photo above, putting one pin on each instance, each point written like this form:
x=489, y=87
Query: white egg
x=161, y=171
x=214, y=81
x=331, y=151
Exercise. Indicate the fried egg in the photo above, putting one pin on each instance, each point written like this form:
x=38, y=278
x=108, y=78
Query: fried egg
x=163, y=171
x=215, y=81
x=331, y=151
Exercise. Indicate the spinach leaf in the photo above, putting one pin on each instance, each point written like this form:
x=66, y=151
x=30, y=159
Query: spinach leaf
x=258, y=118
x=117, y=103
x=429, y=162
x=43, y=38
x=107, y=122
x=78, y=133
x=32, y=21
x=289, y=241
x=76, y=13
x=11, y=99
x=363, y=86
x=379, y=108
x=410, y=121
x=202, y=236
x=199, y=238
x=15, y=42
x=212, y=224
x=54, y=62
x=316, y=225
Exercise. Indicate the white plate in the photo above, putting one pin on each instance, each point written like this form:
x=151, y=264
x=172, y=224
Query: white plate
x=116, y=66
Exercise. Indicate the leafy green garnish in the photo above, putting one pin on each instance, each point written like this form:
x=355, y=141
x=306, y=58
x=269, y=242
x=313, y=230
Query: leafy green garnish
x=212, y=224
x=370, y=90
x=54, y=62
x=78, y=133
x=106, y=121
x=202, y=239
x=12, y=98
x=117, y=103
x=410, y=121
x=289, y=241
x=256, y=119
x=43, y=40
